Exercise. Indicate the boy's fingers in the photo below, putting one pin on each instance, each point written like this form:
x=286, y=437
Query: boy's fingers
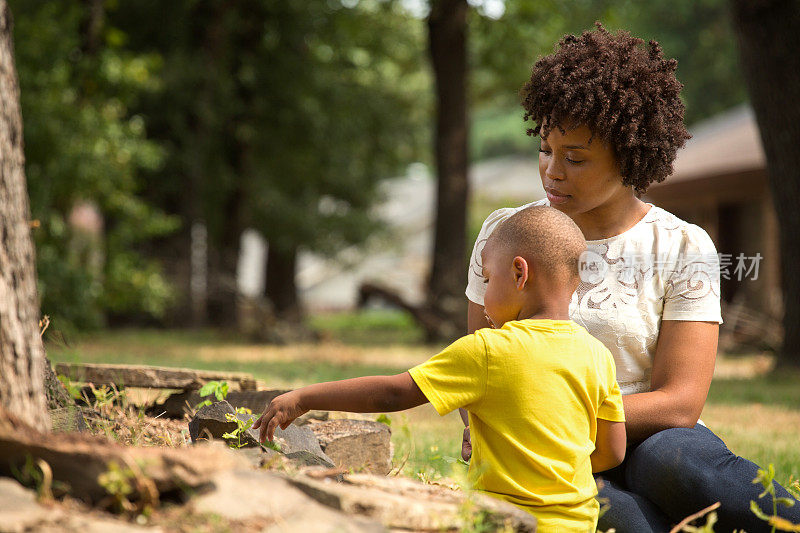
x=257, y=423
x=273, y=424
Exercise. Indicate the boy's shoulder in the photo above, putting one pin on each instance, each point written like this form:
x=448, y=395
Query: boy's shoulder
x=567, y=331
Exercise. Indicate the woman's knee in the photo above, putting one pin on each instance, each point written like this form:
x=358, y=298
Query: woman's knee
x=678, y=457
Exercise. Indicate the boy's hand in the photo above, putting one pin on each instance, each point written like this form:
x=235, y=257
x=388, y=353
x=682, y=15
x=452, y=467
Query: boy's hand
x=281, y=411
x=466, y=445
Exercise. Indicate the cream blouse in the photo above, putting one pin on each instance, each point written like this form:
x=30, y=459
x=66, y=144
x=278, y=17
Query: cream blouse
x=662, y=268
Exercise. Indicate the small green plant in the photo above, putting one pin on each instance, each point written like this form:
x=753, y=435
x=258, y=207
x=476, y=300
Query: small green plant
x=234, y=437
x=73, y=388
x=384, y=419
x=37, y=475
x=765, y=478
x=219, y=389
x=118, y=483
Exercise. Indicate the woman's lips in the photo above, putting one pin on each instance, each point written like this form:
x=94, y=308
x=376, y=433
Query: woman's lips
x=555, y=196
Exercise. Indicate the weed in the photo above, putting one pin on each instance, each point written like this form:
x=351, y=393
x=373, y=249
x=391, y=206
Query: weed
x=118, y=483
x=766, y=478
x=241, y=427
x=39, y=476
x=126, y=483
x=73, y=388
x=218, y=388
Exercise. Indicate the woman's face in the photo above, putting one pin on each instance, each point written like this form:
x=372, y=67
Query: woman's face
x=579, y=176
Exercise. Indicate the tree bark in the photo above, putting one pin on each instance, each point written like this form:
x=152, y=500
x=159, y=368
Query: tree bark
x=447, y=28
x=21, y=352
x=281, y=289
x=769, y=36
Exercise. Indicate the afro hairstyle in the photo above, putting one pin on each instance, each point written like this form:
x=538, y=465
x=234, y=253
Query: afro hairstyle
x=625, y=93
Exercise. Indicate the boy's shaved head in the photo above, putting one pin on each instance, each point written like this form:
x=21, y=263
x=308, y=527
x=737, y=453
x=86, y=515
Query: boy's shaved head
x=545, y=237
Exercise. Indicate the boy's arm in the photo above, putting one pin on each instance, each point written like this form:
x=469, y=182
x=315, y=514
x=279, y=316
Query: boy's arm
x=371, y=394
x=609, y=446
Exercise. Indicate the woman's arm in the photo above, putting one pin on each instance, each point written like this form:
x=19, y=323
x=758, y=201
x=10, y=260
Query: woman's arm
x=683, y=366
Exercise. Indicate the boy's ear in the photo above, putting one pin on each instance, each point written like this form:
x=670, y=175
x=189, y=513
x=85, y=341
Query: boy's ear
x=521, y=272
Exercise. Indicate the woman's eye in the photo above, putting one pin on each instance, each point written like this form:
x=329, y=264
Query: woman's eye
x=574, y=161
x=543, y=151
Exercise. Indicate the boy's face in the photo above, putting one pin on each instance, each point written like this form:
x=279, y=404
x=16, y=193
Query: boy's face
x=503, y=299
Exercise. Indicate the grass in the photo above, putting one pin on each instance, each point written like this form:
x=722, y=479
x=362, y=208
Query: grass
x=368, y=328
x=758, y=418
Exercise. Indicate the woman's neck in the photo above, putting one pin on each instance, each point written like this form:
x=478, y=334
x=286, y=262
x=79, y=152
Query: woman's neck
x=611, y=218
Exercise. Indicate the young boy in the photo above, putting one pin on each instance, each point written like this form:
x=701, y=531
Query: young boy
x=544, y=406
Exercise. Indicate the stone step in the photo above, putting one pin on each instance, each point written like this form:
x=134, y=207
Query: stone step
x=155, y=377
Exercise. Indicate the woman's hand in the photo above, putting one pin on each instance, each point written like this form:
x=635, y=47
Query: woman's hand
x=281, y=411
x=466, y=445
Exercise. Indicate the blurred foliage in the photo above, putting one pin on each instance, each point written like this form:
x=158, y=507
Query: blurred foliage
x=696, y=32
x=83, y=145
x=283, y=116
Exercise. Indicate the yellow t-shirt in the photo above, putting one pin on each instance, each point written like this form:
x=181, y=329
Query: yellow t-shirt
x=534, y=390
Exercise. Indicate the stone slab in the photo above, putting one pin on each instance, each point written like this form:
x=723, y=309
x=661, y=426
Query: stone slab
x=183, y=403
x=243, y=495
x=357, y=445
x=400, y=503
x=156, y=377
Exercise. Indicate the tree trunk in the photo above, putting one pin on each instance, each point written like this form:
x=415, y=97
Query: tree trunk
x=447, y=27
x=769, y=37
x=281, y=289
x=21, y=352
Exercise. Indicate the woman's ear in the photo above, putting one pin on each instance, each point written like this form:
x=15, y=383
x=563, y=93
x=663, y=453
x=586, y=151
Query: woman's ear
x=521, y=272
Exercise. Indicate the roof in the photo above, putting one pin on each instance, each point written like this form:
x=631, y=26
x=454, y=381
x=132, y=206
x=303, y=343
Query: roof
x=727, y=143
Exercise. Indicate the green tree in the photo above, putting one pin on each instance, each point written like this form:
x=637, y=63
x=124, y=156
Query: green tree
x=82, y=144
x=282, y=116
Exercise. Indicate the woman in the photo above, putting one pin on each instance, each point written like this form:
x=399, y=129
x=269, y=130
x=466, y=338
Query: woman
x=611, y=121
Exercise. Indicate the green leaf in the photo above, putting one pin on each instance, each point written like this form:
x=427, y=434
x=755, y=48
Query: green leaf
x=786, y=502
x=756, y=510
x=383, y=419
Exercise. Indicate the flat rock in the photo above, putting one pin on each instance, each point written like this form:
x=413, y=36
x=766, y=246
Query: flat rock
x=19, y=509
x=400, y=503
x=180, y=403
x=211, y=421
x=156, y=377
x=243, y=495
x=358, y=445
x=78, y=459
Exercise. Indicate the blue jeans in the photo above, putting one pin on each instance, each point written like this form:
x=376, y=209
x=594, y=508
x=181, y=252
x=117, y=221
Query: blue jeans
x=678, y=472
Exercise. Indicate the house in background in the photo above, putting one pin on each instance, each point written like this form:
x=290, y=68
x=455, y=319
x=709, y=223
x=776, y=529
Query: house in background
x=720, y=183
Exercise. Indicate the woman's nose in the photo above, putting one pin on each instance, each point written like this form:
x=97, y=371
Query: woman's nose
x=553, y=170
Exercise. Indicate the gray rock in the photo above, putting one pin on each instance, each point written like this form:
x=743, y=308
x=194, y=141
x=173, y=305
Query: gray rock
x=358, y=445
x=146, y=376
x=211, y=421
x=19, y=510
x=245, y=495
x=400, y=503
x=180, y=403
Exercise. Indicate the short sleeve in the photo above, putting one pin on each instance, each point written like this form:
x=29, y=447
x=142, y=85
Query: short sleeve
x=692, y=290
x=610, y=407
x=475, y=286
x=456, y=376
